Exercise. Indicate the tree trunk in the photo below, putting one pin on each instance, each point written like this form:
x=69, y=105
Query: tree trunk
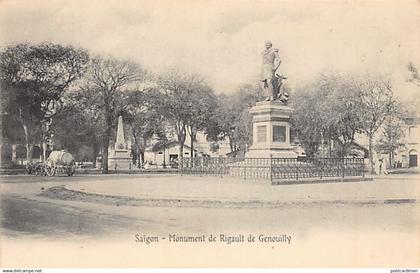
x=106, y=136
x=29, y=146
x=192, y=137
x=134, y=150
x=391, y=159
x=342, y=148
x=142, y=148
x=371, y=165
x=94, y=152
x=330, y=143
x=164, y=156
x=181, y=152
x=231, y=146
x=181, y=141
x=42, y=146
x=94, y=160
x=192, y=145
x=105, y=145
x=141, y=159
x=136, y=157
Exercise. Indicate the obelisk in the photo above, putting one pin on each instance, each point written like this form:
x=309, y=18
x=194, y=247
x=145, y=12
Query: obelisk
x=120, y=141
x=119, y=158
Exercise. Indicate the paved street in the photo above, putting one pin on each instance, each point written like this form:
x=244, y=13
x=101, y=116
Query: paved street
x=162, y=204
x=83, y=215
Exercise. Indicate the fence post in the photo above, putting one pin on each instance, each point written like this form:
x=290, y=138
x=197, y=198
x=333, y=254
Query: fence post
x=221, y=167
x=297, y=169
x=343, y=166
x=271, y=168
x=244, y=170
x=363, y=167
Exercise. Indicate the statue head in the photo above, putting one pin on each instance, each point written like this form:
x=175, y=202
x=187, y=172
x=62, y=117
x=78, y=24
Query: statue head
x=268, y=44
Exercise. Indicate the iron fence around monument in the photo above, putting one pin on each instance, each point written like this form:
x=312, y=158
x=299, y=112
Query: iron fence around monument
x=273, y=169
x=286, y=168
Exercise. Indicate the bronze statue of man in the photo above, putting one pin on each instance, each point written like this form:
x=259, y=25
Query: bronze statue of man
x=270, y=63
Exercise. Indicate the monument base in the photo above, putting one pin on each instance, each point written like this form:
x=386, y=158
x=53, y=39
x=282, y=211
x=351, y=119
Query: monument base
x=271, y=131
x=287, y=153
x=119, y=160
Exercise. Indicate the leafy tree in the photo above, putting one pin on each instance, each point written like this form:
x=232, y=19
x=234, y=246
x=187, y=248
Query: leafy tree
x=306, y=119
x=340, y=113
x=222, y=121
x=78, y=123
x=176, y=102
x=12, y=131
x=333, y=114
x=34, y=77
x=392, y=136
x=202, y=103
x=241, y=134
x=214, y=147
x=144, y=119
x=108, y=82
x=376, y=103
x=232, y=120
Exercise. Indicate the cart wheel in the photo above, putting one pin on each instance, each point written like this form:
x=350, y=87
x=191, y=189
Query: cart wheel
x=29, y=168
x=49, y=170
x=70, y=170
x=39, y=170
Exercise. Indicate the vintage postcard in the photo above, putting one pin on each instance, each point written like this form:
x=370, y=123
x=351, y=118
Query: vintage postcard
x=209, y=134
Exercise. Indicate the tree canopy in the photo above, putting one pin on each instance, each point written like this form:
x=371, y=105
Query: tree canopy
x=34, y=78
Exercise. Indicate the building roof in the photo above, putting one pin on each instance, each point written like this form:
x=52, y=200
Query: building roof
x=358, y=146
x=160, y=146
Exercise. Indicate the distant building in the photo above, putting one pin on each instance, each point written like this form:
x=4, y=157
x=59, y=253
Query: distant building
x=407, y=156
x=404, y=157
x=159, y=154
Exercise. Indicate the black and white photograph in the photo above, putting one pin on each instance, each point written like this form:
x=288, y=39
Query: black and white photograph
x=209, y=134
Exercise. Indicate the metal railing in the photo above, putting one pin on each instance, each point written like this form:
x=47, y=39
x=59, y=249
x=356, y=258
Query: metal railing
x=273, y=169
x=286, y=168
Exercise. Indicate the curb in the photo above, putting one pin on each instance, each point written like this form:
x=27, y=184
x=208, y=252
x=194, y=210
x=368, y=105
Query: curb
x=62, y=193
x=321, y=181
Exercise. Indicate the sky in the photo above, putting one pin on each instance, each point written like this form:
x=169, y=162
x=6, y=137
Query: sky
x=223, y=40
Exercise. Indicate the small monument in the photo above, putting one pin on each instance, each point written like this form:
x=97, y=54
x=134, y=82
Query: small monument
x=270, y=118
x=119, y=158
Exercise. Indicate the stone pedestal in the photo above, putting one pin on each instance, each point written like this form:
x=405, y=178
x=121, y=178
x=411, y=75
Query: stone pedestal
x=271, y=131
x=120, y=159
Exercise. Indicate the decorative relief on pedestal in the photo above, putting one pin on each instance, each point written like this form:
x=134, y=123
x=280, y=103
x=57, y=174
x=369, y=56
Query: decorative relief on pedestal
x=279, y=133
x=262, y=133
